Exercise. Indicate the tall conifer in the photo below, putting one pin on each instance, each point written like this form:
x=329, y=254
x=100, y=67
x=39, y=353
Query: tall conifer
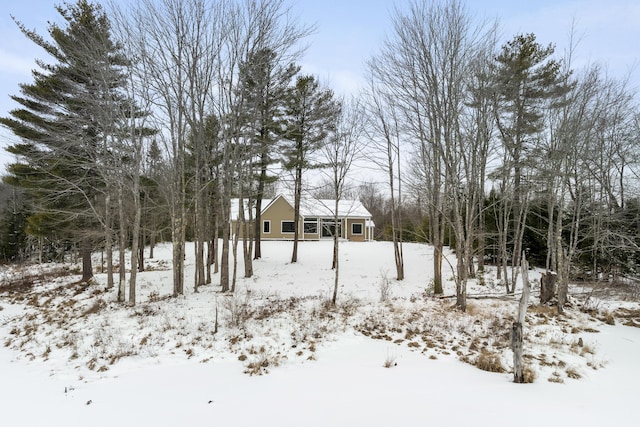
x=67, y=122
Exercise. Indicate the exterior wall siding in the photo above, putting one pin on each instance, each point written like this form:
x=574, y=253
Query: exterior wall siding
x=278, y=211
x=356, y=237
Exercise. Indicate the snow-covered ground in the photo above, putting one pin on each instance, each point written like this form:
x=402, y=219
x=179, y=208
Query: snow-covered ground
x=281, y=356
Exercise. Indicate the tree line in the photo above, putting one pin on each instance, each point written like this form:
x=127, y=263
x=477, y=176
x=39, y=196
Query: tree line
x=508, y=149
x=151, y=118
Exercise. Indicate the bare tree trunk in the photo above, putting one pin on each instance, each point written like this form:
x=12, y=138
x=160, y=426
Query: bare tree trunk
x=519, y=227
x=216, y=246
x=135, y=234
x=547, y=287
x=503, y=214
x=210, y=243
x=247, y=246
x=340, y=152
x=224, y=258
x=336, y=254
x=209, y=260
x=334, y=257
x=482, y=238
x=141, y=250
x=296, y=212
x=438, y=249
x=517, y=337
x=461, y=267
x=336, y=269
x=199, y=218
x=87, y=268
x=551, y=260
x=177, y=238
x=395, y=211
x=234, y=274
x=259, y=196
x=152, y=244
x=109, y=241
x=122, y=245
x=563, y=285
x=224, y=261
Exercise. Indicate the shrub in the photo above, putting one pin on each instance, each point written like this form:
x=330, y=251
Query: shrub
x=572, y=372
x=261, y=362
x=489, y=361
x=154, y=296
x=390, y=361
x=556, y=378
x=238, y=309
x=529, y=374
x=95, y=308
x=609, y=319
x=385, y=287
x=587, y=349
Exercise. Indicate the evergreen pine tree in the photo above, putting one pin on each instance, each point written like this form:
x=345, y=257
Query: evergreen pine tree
x=526, y=82
x=311, y=114
x=67, y=121
x=13, y=239
x=265, y=84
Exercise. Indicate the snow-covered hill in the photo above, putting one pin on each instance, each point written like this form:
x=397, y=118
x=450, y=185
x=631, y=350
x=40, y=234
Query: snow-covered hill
x=389, y=353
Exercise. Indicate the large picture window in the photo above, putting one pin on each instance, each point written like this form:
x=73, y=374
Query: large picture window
x=288, y=227
x=329, y=228
x=356, y=228
x=310, y=225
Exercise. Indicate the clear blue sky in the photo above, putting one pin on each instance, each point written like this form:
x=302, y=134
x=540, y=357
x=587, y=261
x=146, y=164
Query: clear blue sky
x=350, y=31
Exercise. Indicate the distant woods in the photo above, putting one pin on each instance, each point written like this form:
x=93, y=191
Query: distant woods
x=142, y=123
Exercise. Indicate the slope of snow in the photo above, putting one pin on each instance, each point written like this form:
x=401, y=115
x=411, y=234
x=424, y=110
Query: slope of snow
x=71, y=356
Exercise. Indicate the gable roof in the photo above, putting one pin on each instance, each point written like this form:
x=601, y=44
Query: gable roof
x=326, y=208
x=310, y=207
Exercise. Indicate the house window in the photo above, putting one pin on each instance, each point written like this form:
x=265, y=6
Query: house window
x=266, y=226
x=288, y=227
x=329, y=228
x=356, y=228
x=310, y=225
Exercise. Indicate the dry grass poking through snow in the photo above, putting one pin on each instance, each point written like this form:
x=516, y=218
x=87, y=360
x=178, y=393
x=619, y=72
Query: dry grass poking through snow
x=554, y=345
x=85, y=328
x=263, y=331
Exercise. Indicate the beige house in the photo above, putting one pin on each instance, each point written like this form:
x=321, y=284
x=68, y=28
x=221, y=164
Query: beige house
x=317, y=219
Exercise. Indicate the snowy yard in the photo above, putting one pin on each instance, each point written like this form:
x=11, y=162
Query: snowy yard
x=281, y=356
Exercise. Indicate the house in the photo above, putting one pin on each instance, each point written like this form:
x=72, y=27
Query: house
x=317, y=219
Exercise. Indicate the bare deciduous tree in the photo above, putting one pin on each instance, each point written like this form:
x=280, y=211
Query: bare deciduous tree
x=427, y=68
x=383, y=131
x=339, y=153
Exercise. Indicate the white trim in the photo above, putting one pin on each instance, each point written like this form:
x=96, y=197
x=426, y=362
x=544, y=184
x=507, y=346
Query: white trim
x=265, y=222
x=316, y=223
x=353, y=224
x=330, y=222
